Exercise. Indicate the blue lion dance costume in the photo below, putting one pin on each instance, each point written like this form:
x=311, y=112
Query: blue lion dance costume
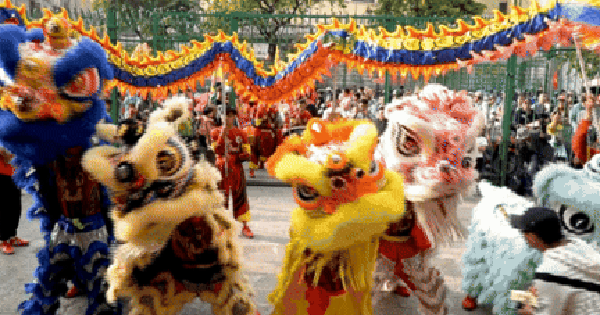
x=497, y=259
x=49, y=109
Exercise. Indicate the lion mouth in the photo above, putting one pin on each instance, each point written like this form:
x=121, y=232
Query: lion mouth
x=160, y=189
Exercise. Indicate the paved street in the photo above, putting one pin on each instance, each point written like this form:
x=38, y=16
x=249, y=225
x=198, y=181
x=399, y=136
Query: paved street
x=271, y=208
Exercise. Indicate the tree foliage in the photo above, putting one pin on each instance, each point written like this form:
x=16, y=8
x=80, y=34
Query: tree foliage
x=590, y=58
x=269, y=29
x=135, y=16
x=430, y=8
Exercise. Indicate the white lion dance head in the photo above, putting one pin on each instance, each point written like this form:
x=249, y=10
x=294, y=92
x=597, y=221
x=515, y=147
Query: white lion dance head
x=430, y=139
x=574, y=195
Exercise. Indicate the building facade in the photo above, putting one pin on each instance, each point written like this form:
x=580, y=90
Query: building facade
x=54, y=5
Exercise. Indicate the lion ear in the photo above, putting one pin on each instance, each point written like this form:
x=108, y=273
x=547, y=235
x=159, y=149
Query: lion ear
x=175, y=111
x=107, y=132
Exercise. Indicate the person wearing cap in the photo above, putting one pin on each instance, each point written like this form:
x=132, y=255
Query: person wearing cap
x=232, y=148
x=567, y=282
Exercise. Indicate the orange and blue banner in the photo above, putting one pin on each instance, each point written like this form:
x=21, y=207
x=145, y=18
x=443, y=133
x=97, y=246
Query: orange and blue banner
x=425, y=52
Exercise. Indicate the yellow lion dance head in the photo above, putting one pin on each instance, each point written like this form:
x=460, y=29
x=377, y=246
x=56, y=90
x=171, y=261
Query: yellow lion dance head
x=346, y=200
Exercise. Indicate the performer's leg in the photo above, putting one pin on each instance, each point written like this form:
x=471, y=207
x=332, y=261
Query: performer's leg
x=241, y=207
x=255, y=151
x=11, y=215
x=91, y=271
x=429, y=285
x=52, y=275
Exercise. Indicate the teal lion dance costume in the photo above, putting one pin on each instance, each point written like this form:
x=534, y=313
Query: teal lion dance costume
x=497, y=259
x=48, y=112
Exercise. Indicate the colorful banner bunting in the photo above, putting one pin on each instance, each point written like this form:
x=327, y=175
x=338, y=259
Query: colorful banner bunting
x=402, y=52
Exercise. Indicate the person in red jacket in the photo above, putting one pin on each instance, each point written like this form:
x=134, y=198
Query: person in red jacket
x=265, y=136
x=584, y=152
x=231, y=149
x=11, y=211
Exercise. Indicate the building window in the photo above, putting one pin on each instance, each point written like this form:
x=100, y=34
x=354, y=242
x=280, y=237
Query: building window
x=503, y=7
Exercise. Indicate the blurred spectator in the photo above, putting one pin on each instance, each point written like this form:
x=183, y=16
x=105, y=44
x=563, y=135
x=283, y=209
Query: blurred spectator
x=561, y=131
x=346, y=108
x=543, y=107
x=380, y=121
x=373, y=103
x=486, y=106
x=217, y=97
x=584, y=149
x=362, y=110
x=132, y=113
x=312, y=109
x=331, y=114
x=577, y=109
x=524, y=114
x=208, y=122
x=301, y=115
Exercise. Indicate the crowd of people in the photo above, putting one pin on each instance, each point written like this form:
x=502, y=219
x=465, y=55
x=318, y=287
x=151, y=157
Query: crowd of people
x=541, y=127
x=542, y=130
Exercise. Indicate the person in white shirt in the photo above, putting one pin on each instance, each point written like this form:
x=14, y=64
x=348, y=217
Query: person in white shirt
x=543, y=106
x=567, y=282
x=329, y=114
x=346, y=108
x=576, y=109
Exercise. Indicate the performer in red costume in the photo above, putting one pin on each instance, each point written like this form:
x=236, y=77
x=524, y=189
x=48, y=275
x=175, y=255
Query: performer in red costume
x=583, y=152
x=265, y=136
x=301, y=116
x=229, y=162
x=244, y=117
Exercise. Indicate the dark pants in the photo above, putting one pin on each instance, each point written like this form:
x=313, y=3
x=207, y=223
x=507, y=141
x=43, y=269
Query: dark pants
x=208, y=154
x=11, y=208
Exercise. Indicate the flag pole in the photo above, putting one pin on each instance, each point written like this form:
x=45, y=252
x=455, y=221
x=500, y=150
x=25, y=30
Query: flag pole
x=584, y=76
x=223, y=80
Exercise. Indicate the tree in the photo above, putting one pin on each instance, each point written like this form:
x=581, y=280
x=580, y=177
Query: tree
x=269, y=28
x=569, y=58
x=136, y=15
x=430, y=8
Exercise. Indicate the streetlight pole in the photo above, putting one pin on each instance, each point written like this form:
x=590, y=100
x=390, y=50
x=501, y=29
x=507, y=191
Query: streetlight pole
x=511, y=68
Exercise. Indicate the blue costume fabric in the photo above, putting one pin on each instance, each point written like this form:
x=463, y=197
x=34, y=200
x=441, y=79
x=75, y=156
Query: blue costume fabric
x=76, y=245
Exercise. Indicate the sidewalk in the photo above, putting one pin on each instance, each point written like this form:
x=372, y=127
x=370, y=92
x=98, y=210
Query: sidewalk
x=262, y=259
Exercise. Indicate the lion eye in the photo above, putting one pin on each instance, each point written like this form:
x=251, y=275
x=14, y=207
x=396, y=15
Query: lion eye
x=168, y=161
x=407, y=142
x=575, y=221
x=374, y=169
x=306, y=193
